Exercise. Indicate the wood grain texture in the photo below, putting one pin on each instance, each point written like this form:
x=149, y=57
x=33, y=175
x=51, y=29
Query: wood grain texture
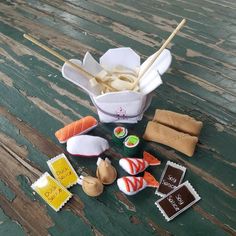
x=35, y=101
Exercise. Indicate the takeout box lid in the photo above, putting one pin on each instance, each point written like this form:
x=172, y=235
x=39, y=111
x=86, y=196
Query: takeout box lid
x=125, y=56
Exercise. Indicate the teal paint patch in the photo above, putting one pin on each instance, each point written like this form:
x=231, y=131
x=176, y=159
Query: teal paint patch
x=33, y=154
x=6, y=191
x=68, y=224
x=25, y=185
x=65, y=222
x=9, y=227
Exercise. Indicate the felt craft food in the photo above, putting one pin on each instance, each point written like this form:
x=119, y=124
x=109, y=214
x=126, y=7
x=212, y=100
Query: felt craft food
x=178, y=121
x=119, y=134
x=62, y=170
x=131, y=185
x=52, y=192
x=182, y=142
x=134, y=166
x=131, y=145
x=86, y=145
x=92, y=186
x=81, y=126
x=119, y=78
x=106, y=173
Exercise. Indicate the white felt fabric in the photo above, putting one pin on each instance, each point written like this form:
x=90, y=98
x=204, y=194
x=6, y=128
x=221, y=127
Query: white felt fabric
x=86, y=145
x=124, y=163
x=125, y=106
x=120, y=56
x=122, y=186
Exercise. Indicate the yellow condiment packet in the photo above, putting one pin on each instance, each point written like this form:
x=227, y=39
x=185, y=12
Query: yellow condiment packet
x=63, y=171
x=51, y=191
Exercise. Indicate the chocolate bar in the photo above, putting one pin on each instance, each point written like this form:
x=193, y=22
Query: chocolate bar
x=171, y=177
x=177, y=201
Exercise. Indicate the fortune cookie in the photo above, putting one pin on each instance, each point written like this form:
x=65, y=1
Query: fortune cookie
x=91, y=185
x=106, y=173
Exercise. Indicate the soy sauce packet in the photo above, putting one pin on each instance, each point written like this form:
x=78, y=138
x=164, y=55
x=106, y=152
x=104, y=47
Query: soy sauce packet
x=177, y=201
x=171, y=177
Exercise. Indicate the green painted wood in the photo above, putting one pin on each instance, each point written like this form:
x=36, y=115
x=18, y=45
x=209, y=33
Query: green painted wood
x=8, y=227
x=35, y=101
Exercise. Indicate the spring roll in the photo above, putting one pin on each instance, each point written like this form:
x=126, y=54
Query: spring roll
x=181, y=142
x=178, y=121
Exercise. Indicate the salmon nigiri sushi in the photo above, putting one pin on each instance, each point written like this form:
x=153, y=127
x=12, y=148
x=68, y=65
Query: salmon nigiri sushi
x=81, y=126
x=134, y=166
x=131, y=185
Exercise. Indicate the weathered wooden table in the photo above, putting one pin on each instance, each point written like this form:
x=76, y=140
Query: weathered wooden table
x=35, y=101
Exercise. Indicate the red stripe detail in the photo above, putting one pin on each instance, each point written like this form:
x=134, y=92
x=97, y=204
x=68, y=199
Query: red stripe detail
x=135, y=182
x=140, y=166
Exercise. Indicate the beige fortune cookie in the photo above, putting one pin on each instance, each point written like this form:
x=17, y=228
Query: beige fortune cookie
x=105, y=171
x=91, y=185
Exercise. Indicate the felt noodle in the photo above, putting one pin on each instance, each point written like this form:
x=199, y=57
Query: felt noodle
x=75, y=128
x=178, y=121
x=53, y=193
x=63, y=171
x=120, y=79
x=159, y=133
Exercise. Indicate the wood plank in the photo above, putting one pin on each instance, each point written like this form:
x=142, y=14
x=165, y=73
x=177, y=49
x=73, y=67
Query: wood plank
x=201, y=82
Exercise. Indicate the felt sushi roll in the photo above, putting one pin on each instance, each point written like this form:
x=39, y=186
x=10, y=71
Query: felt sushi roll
x=119, y=134
x=131, y=145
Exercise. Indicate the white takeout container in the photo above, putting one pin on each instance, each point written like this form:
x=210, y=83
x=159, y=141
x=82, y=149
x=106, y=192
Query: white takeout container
x=123, y=106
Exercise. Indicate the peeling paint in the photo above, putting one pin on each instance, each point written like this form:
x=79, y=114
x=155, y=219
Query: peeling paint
x=6, y=191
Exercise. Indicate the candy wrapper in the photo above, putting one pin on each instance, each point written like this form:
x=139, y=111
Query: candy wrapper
x=53, y=193
x=134, y=166
x=63, y=171
x=131, y=185
x=177, y=201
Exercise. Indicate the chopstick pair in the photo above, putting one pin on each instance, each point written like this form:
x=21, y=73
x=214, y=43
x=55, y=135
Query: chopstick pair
x=89, y=75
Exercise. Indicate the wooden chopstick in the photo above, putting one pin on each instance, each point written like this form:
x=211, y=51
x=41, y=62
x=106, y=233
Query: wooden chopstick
x=56, y=54
x=155, y=56
x=62, y=58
